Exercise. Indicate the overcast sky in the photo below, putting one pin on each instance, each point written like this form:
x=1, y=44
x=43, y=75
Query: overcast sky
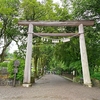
x=53, y=0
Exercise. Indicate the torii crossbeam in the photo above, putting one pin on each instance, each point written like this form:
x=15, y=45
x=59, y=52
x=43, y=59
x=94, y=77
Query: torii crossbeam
x=57, y=23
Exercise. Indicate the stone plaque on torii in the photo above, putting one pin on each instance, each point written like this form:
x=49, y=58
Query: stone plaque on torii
x=80, y=24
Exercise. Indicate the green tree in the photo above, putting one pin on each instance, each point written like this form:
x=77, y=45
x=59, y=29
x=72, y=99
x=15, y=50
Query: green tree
x=8, y=23
x=89, y=10
x=46, y=10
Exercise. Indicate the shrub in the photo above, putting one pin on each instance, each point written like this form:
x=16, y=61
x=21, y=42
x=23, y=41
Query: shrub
x=3, y=64
x=20, y=69
x=96, y=75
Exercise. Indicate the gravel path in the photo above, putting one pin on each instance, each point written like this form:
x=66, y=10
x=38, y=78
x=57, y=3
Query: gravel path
x=50, y=87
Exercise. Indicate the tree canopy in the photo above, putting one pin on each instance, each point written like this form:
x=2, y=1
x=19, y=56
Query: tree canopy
x=61, y=56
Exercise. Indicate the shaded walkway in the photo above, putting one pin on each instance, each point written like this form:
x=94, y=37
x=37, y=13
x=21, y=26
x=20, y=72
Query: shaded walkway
x=50, y=87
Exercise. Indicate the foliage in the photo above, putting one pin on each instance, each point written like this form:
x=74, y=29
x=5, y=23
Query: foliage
x=8, y=20
x=76, y=66
x=42, y=11
x=11, y=69
x=96, y=75
x=3, y=64
x=46, y=10
x=20, y=69
x=77, y=79
x=57, y=66
x=68, y=52
x=59, y=57
x=89, y=10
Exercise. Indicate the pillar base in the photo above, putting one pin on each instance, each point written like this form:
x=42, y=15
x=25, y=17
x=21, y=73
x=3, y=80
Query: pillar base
x=27, y=85
x=88, y=84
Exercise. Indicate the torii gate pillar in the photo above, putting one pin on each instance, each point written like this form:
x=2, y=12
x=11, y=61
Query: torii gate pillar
x=84, y=60
x=27, y=70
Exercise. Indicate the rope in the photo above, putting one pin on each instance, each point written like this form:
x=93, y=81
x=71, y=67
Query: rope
x=56, y=40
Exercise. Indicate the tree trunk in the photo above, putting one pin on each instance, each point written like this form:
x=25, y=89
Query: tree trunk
x=35, y=66
x=42, y=73
x=2, y=55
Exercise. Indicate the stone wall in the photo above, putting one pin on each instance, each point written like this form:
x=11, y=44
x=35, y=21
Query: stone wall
x=8, y=82
x=96, y=82
x=5, y=80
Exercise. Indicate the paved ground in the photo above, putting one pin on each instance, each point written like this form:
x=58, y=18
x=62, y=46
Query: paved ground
x=50, y=87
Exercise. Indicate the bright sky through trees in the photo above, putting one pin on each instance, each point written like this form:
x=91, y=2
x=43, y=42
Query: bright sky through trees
x=54, y=1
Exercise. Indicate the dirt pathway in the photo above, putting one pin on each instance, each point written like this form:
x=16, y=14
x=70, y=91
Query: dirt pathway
x=50, y=87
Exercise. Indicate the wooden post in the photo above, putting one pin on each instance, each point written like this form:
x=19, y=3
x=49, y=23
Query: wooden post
x=27, y=70
x=84, y=60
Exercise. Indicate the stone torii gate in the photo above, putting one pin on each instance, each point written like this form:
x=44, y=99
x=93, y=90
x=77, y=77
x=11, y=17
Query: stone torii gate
x=84, y=59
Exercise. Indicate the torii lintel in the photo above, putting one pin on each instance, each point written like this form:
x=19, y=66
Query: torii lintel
x=57, y=23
